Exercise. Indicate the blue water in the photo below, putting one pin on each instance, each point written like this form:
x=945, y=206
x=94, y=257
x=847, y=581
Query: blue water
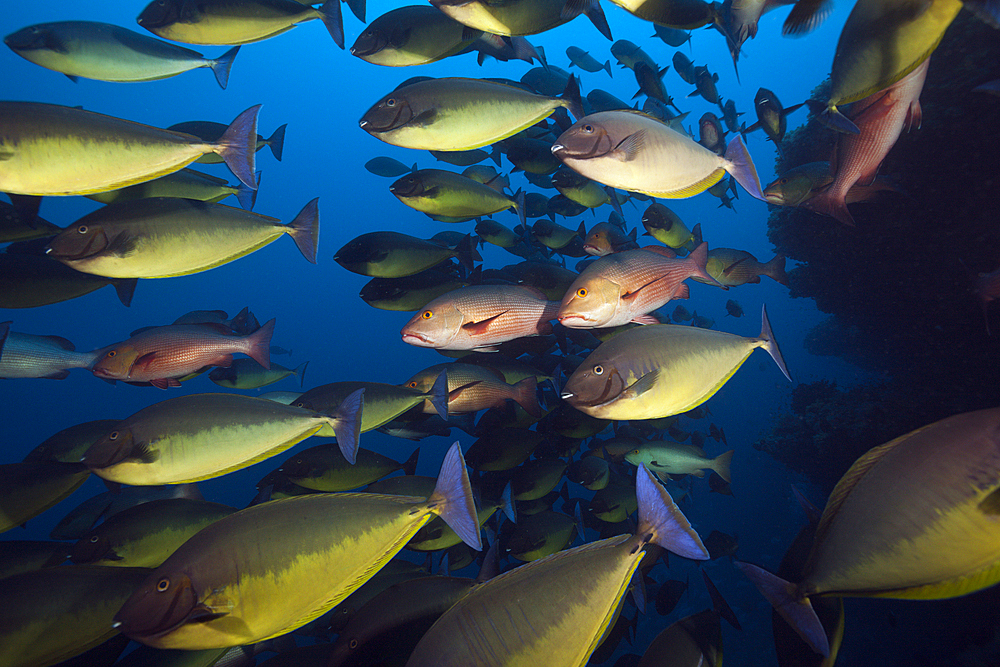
x=302, y=79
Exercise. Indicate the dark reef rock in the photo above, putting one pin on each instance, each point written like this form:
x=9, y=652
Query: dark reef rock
x=899, y=285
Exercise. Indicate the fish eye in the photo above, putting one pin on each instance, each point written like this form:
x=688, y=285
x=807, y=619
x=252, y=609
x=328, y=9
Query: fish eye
x=411, y=384
x=163, y=585
x=782, y=180
x=113, y=435
x=112, y=354
x=94, y=539
x=589, y=129
x=298, y=404
x=598, y=370
x=427, y=314
x=354, y=643
x=582, y=292
x=391, y=102
x=83, y=229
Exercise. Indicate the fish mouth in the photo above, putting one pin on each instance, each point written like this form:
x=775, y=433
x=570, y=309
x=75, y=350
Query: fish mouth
x=556, y=148
x=773, y=199
x=103, y=373
x=417, y=339
x=566, y=395
x=574, y=321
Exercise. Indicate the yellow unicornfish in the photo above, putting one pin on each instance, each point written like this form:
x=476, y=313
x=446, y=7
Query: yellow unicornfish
x=556, y=610
x=46, y=149
x=630, y=150
x=196, y=437
x=915, y=518
x=271, y=568
x=661, y=370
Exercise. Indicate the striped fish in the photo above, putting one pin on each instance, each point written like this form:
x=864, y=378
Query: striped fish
x=626, y=286
x=480, y=317
x=162, y=354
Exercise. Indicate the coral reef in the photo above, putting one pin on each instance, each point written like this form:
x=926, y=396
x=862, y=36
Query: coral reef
x=899, y=285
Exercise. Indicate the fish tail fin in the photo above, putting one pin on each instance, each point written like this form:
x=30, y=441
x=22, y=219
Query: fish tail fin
x=409, y=466
x=770, y=344
x=659, y=515
x=333, y=19
x=238, y=145
x=300, y=373
x=607, y=68
x=346, y=424
x=247, y=196
x=452, y=498
x=276, y=142
x=789, y=602
x=467, y=253
x=526, y=395
x=571, y=98
x=832, y=203
x=221, y=66
x=507, y=503
x=260, y=344
x=698, y=259
x=775, y=269
x=304, y=229
x=125, y=289
x=741, y=168
x=519, y=206
x=596, y=16
x=438, y=395
x=721, y=463
x=358, y=7
x=526, y=51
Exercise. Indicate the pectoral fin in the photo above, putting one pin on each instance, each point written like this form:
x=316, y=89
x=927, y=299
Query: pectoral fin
x=482, y=326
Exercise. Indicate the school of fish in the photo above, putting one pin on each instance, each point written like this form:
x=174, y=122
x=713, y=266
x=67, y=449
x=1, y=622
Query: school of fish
x=582, y=394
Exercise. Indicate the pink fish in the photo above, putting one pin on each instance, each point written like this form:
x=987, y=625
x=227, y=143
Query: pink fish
x=880, y=118
x=480, y=317
x=627, y=286
x=162, y=354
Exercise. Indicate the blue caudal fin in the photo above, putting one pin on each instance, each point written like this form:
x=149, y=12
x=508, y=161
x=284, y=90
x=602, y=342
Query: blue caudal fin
x=358, y=7
x=300, y=373
x=740, y=166
x=221, y=66
x=304, y=230
x=770, y=344
x=238, y=145
x=659, y=515
x=332, y=17
x=452, y=498
x=276, y=142
x=794, y=608
x=247, y=197
x=346, y=424
x=438, y=395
